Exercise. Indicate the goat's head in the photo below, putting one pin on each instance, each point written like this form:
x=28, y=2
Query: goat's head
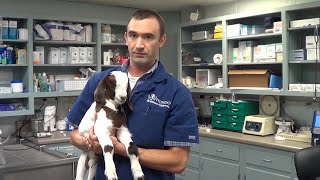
x=114, y=87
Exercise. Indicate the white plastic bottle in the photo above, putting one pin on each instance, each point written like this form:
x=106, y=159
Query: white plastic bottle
x=2, y=157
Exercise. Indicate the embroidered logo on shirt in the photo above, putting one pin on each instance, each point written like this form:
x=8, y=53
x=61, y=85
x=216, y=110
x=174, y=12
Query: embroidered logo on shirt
x=192, y=137
x=152, y=98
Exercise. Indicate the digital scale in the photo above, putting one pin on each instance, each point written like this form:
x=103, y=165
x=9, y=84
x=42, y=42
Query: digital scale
x=316, y=129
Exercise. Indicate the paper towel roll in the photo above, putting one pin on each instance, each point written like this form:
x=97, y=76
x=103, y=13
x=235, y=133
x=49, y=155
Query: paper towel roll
x=217, y=59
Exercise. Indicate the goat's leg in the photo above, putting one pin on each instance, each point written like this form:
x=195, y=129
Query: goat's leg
x=124, y=136
x=81, y=167
x=101, y=129
x=92, y=163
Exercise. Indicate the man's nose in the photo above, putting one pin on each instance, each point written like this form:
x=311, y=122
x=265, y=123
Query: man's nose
x=140, y=43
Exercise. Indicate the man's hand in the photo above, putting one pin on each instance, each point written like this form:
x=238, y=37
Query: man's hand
x=94, y=142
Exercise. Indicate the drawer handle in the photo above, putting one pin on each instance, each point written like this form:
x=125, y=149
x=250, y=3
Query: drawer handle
x=219, y=150
x=218, y=122
x=201, y=165
x=236, y=110
x=234, y=124
x=267, y=160
x=219, y=115
x=235, y=117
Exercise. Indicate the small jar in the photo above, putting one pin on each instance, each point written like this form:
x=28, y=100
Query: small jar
x=17, y=86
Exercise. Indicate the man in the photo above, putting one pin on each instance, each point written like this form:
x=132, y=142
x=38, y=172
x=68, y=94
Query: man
x=163, y=121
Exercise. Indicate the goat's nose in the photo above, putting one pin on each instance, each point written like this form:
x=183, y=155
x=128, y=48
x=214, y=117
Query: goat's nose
x=123, y=98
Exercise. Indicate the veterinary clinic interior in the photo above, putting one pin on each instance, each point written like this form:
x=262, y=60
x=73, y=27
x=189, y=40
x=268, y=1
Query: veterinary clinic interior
x=252, y=68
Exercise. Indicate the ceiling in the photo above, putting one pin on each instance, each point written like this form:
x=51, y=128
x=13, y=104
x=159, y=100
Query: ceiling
x=160, y=5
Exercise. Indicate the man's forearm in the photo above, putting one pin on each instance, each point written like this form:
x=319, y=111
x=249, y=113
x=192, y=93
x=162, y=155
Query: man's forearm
x=173, y=160
x=77, y=140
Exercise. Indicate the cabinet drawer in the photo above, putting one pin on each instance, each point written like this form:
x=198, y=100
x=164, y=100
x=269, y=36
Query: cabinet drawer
x=234, y=126
x=218, y=103
x=219, y=117
x=194, y=161
x=237, y=119
x=188, y=174
x=195, y=148
x=219, y=124
x=272, y=161
x=220, y=150
x=219, y=110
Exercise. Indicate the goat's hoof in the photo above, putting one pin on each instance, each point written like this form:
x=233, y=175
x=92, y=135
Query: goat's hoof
x=112, y=176
x=141, y=177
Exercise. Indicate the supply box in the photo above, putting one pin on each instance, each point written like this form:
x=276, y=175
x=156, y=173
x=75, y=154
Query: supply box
x=249, y=78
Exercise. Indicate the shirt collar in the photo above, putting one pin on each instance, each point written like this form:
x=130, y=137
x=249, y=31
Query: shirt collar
x=125, y=66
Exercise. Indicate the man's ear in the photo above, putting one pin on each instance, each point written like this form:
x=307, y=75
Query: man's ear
x=100, y=93
x=163, y=40
x=125, y=37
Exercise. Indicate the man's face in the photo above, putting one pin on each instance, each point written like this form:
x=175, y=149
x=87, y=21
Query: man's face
x=143, y=41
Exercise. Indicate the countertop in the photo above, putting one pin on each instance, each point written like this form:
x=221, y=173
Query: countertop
x=263, y=141
x=57, y=137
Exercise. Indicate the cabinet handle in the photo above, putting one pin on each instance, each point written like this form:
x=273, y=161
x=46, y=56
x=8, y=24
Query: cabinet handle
x=267, y=160
x=236, y=110
x=218, y=150
x=201, y=164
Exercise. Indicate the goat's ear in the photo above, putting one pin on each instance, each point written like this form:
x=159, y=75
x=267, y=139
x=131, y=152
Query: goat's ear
x=128, y=97
x=100, y=93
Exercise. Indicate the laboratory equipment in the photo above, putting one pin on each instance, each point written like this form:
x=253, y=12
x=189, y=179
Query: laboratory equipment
x=316, y=129
x=261, y=125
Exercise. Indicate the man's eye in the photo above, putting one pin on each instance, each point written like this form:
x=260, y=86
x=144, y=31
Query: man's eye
x=132, y=35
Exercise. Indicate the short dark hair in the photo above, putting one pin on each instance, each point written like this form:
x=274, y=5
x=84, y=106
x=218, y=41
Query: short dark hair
x=141, y=14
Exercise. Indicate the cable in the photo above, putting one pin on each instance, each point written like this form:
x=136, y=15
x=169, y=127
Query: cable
x=316, y=40
x=24, y=122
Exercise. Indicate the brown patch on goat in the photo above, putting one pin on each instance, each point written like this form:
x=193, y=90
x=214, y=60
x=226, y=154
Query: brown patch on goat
x=87, y=162
x=108, y=149
x=105, y=90
x=133, y=149
x=118, y=117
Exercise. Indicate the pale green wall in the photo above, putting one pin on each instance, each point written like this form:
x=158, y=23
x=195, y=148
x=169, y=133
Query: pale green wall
x=239, y=6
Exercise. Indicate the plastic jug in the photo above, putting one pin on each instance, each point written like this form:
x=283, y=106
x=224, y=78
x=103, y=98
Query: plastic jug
x=2, y=157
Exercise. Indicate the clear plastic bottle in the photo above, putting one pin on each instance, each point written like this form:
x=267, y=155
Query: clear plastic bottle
x=2, y=157
x=106, y=33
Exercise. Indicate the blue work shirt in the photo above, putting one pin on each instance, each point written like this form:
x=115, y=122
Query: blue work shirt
x=163, y=116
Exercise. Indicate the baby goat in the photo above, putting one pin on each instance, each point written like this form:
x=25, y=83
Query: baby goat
x=110, y=94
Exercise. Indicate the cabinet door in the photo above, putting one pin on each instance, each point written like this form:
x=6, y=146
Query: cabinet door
x=254, y=174
x=215, y=169
x=188, y=174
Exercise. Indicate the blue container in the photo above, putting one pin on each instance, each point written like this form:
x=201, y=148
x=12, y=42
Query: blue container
x=275, y=81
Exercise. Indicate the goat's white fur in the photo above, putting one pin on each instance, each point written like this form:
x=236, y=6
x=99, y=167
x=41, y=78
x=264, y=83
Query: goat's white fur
x=102, y=128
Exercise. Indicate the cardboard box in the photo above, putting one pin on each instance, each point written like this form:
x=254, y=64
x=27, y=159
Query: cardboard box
x=249, y=78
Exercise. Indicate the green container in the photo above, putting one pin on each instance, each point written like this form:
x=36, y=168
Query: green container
x=236, y=119
x=219, y=110
x=234, y=126
x=243, y=108
x=220, y=117
x=219, y=124
x=220, y=103
x=243, y=104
